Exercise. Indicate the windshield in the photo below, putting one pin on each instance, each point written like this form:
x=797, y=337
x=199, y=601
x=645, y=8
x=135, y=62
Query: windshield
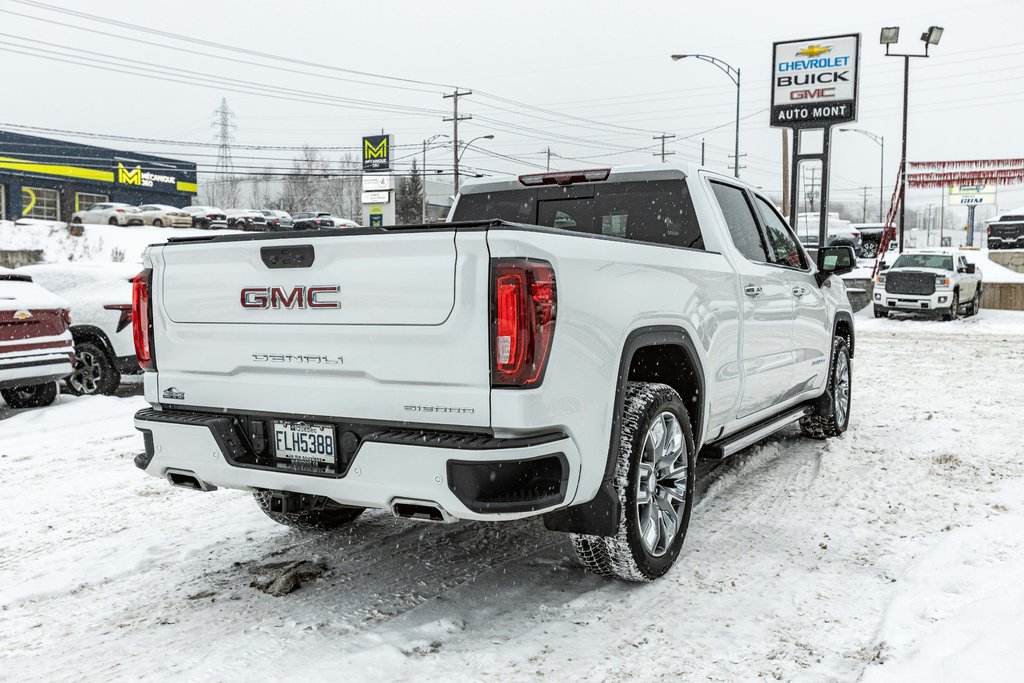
x=658, y=211
x=939, y=261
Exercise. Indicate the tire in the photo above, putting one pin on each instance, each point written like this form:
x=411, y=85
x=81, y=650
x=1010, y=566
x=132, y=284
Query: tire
x=881, y=312
x=954, y=308
x=833, y=416
x=325, y=513
x=112, y=221
x=31, y=396
x=76, y=219
x=157, y=223
x=654, y=419
x=94, y=372
x=975, y=305
x=869, y=250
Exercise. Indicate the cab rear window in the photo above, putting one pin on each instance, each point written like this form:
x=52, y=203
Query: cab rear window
x=656, y=211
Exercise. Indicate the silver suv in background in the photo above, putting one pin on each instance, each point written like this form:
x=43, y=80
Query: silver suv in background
x=278, y=220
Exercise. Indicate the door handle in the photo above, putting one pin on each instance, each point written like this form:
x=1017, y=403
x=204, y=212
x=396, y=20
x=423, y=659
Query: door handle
x=799, y=291
x=752, y=290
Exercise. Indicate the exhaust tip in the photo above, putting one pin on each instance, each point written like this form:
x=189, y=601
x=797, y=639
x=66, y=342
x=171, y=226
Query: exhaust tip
x=187, y=480
x=421, y=510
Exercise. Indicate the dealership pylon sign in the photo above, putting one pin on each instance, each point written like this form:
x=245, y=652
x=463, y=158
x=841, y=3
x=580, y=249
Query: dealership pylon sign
x=814, y=87
x=814, y=81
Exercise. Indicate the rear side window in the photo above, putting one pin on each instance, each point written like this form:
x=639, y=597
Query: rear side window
x=657, y=211
x=739, y=216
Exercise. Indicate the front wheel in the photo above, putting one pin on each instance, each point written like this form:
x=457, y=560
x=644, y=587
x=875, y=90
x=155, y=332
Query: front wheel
x=32, y=396
x=157, y=223
x=654, y=479
x=881, y=312
x=954, y=308
x=832, y=415
x=321, y=513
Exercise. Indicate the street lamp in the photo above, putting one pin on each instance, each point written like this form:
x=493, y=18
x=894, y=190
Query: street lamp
x=880, y=141
x=733, y=74
x=458, y=155
x=423, y=199
x=890, y=35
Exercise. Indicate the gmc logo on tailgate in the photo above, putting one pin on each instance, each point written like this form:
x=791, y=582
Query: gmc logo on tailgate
x=296, y=297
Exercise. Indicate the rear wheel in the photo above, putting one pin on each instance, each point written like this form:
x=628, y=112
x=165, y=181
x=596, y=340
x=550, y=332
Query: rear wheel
x=975, y=305
x=157, y=223
x=833, y=415
x=654, y=479
x=31, y=396
x=112, y=221
x=320, y=512
x=94, y=372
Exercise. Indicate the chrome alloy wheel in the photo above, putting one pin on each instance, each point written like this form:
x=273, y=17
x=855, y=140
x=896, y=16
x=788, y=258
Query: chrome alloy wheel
x=661, y=484
x=86, y=375
x=841, y=395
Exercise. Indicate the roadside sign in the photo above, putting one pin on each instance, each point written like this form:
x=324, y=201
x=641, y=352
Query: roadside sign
x=971, y=194
x=377, y=153
x=376, y=182
x=381, y=197
x=814, y=81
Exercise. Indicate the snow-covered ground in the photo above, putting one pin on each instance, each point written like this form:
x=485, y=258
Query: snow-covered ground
x=99, y=243
x=894, y=553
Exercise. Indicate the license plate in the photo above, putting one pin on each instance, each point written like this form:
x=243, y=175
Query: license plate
x=305, y=443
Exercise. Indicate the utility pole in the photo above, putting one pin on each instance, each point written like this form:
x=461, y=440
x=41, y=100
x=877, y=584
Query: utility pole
x=548, y=167
x=455, y=95
x=423, y=194
x=811, y=194
x=225, y=126
x=663, y=153
x=785, y=172
x=942, y=215
x=864, y=211
x=702, y=151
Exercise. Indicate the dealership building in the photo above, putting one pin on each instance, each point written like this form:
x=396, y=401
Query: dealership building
x=51, y=179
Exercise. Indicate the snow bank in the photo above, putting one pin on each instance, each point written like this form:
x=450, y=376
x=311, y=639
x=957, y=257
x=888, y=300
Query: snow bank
x=99, y=243
x=956, y=613
x=989, y=321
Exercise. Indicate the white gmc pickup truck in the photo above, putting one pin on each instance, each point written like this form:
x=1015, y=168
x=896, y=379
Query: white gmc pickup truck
x=566, y=345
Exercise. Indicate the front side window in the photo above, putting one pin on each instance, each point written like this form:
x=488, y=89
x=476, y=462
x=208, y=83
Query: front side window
x=739, y=217
x=784, y=247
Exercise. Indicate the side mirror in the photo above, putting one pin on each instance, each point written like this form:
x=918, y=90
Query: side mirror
x=837, y=260
x=883, y=266
x=971, y=269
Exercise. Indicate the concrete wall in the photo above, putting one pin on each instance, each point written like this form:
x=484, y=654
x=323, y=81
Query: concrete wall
x=16, y=258
x=1014, y=260
x=1004, y=295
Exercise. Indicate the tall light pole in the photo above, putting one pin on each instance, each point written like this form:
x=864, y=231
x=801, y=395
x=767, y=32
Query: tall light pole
x=458, y=155
x=890, y=35
x=423, y=175
x=880, y=141
x=734, y=75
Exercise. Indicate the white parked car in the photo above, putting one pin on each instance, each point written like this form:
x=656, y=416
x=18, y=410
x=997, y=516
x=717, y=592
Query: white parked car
x=933, y=281
x=36, y=348
x=111, y=213
x=164, y=216
x=569, y=363
x=99, y=296
x=344, y=223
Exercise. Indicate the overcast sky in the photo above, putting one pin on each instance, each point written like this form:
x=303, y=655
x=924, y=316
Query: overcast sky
x=599, y=70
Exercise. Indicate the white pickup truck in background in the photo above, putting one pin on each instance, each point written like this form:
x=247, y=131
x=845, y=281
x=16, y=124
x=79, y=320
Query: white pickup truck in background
x=566, y=346
x=931, y=281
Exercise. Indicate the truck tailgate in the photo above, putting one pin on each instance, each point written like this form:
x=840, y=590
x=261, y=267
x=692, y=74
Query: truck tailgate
x=399, y=332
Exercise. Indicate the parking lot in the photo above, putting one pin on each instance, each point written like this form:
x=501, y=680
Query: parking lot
x=804, y=560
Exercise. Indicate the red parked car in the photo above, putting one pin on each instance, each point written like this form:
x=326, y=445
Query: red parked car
x=36, y=348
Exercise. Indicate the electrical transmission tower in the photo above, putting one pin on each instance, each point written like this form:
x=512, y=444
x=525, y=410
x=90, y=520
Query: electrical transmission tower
x=225, y=127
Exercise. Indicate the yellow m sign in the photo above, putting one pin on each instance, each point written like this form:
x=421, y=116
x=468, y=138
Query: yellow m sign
x=126, y=177
x=375, y=153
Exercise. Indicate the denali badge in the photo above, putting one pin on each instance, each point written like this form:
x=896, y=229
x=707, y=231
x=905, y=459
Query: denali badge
x=440, y=409
x=289, y=358
x=296, y=297
x=174, y=394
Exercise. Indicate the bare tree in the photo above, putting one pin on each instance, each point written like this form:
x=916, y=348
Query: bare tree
x=305, y=186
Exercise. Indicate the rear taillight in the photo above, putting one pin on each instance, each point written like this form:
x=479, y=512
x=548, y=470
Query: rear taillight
x=855, y=233
x=119, y=210
x=142, y=320
x=523, y=318
x=65, y=315
x=988, y=230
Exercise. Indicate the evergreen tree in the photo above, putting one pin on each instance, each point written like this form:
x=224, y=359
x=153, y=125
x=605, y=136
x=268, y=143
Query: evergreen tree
x=410, y=197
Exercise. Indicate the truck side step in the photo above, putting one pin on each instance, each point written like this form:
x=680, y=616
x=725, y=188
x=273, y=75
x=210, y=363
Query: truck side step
x=751, y=435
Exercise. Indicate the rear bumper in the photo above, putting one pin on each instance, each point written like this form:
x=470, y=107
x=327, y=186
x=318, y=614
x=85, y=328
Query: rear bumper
x=468, y=476
x=35, y=372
